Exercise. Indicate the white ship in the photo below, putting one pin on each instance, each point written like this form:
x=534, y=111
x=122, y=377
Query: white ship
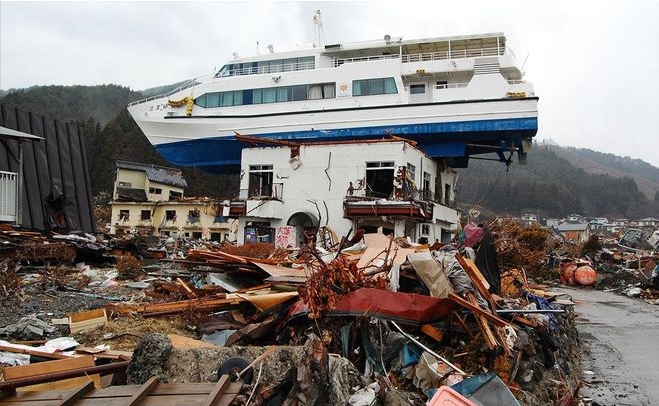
x=455, y=96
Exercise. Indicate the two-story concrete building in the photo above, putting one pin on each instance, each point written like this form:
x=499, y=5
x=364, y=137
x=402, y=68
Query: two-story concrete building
x=150, y=200
x=292, y=187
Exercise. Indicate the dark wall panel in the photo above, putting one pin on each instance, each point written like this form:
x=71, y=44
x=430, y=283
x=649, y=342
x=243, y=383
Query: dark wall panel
x=56, y=189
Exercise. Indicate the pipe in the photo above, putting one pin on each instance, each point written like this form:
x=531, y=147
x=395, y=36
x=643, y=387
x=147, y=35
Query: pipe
x=417, y=342
x=56, y=376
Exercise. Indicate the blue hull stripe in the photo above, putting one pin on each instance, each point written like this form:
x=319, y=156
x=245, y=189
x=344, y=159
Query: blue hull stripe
x=225, y=151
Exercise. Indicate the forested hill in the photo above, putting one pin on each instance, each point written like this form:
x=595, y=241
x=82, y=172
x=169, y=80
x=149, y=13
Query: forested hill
x=73, y=103
x=553, y=187
x=557, y=181
x=645, y=175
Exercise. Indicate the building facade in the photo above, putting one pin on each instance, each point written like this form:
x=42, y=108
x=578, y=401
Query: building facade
x=390, y=184
x=149, y=200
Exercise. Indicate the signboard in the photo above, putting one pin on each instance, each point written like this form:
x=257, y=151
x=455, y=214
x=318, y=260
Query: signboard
x=285, y=237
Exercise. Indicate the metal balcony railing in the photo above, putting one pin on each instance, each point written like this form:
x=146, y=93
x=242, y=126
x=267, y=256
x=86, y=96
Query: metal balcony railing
x=8, y=196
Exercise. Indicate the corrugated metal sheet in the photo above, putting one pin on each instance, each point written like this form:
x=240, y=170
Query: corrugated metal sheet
x=56, y=192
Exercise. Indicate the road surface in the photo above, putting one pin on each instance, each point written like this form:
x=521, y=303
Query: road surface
x=622, y=367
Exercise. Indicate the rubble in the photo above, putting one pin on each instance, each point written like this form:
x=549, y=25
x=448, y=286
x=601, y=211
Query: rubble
x=374, y=320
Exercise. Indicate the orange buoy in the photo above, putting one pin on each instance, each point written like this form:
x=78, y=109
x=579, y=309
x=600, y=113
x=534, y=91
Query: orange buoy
x=585, y=275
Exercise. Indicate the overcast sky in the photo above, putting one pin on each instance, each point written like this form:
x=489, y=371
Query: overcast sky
x=594, y=65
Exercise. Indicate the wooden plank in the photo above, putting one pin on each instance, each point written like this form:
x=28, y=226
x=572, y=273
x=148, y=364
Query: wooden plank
x=43, y=354
x=476, y=309
x=477, y=279
x=76, y=394
x=48, y=367
x=87, y=320
x=86, y=315
x=143, y=392
x=218, y=390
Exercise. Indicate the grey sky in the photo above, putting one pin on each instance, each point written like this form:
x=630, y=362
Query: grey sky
x=594, y=65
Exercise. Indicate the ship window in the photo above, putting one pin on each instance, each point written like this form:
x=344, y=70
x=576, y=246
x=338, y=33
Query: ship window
x=269, y=95
x=368, y=87
x=227, y=99
x=300, y=92
x=213, y=99
x=417, y=89
x=441, y=84
x=200, y=101
x=283, y=94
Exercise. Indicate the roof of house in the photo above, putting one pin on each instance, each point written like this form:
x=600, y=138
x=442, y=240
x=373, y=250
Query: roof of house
x=160, y=174
x=572, y=227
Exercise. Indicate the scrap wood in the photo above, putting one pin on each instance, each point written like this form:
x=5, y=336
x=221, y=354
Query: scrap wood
x=218, y=301
x=488, y=336
x=477, y=309
x=477, y=279
x=36, y=353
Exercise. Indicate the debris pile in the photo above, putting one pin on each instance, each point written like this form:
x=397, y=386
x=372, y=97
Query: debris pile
x=365, y=320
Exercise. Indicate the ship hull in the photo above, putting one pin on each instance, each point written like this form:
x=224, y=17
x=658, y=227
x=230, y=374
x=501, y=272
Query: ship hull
x=442, y=130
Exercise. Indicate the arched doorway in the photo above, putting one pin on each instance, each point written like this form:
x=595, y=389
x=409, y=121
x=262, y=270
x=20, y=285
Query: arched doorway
x=303, y=222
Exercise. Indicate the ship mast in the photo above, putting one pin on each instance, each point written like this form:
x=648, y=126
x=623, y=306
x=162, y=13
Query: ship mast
x=318, y=30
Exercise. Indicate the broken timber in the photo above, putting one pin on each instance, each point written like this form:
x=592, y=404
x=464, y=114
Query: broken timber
x=152, y=392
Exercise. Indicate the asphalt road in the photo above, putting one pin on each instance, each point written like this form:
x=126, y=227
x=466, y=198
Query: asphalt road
x=622, y=367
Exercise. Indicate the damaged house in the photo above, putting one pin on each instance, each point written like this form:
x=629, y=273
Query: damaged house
x=288, y=188
x=149, y=200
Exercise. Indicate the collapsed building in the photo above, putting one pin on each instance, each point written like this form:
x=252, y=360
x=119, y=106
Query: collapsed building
x=149, y=200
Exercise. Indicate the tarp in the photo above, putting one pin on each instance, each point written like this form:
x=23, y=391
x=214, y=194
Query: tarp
x=396, y=306
x=431, y=274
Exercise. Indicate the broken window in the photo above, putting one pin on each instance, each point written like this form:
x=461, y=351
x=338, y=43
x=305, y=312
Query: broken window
x=175, y=195
x=170, y=215
x=125, y=184
x=124, y=215
x=425, y=229
x=259, y=232
x=447, y=194
x=427, y=192
x=196, y=235
x=379, y=179
x=217, y=237
x=155, y=190
x=145, y=215
x=193, y=216
x=411, y=172
x=260, y=181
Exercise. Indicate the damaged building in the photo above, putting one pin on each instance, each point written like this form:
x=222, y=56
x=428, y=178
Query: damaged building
x=289, y=188
x=149, y=200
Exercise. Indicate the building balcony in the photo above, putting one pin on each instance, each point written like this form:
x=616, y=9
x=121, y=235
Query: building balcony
x=360, y=208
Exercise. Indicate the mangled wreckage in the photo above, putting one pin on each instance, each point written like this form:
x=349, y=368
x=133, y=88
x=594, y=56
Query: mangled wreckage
x=369, y=319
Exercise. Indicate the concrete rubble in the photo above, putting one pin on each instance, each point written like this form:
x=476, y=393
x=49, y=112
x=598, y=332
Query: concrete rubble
x=371, y=320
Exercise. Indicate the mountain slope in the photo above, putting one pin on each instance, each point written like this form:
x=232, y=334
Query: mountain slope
x=594, y=162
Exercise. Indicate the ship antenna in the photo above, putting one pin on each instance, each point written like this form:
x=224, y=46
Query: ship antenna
x=318, y=29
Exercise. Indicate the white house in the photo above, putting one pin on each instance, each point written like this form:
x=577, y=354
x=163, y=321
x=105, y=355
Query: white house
x=293, y=188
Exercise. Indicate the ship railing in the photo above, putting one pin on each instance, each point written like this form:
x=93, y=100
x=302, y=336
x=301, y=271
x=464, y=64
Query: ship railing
x=261, y=70
x=451, y=85
x=456, y=54
x=516, y=82
x=188, y=84
x=341, y=61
